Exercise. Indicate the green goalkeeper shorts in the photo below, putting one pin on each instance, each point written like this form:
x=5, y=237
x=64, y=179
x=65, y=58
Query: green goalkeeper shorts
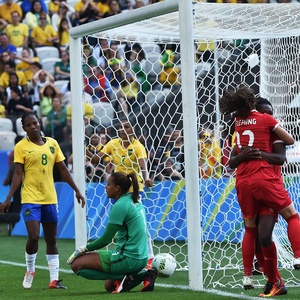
x=116, y=263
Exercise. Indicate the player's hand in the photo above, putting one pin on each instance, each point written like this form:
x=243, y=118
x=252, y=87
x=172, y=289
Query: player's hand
x=80, y=199
x=4, y=206
x=76, y=254
x=250, y=153
x=148, y=182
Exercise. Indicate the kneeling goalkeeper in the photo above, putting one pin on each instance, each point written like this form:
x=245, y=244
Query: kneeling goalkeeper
x=123, y=267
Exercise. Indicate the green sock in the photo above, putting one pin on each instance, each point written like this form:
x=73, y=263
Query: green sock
x=137, y=279
x=98, y=275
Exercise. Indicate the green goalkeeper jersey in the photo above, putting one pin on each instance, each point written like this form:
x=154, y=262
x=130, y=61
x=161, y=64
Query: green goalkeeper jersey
x=132, y=236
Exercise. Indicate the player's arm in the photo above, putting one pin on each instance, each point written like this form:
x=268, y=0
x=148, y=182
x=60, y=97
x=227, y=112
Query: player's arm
x=145, y=173
x=247, y=153
x=278, y=155
x=16, y=181
x=94, y=158
x=284, y=135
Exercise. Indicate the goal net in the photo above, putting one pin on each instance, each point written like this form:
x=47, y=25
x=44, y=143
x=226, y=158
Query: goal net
x=133, y=68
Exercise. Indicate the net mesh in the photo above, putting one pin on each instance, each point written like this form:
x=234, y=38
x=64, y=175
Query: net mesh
x=134, y=72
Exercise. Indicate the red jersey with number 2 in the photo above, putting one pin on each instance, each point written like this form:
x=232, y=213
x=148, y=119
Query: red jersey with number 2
x=254, y=131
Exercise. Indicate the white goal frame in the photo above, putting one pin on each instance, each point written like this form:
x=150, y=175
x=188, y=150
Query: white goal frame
x=232, y=24
x=189, y=120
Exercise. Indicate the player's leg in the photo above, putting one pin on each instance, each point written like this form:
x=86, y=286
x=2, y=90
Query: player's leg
x=31, y=215
x=248, y=251
x=49, y=223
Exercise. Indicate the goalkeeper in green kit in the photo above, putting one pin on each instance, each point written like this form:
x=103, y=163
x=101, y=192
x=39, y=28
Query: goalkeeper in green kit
x=123, y=267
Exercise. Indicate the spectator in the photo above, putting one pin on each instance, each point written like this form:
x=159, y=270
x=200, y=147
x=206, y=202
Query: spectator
x=103, y=6
x=53, y=7
x=3, y=25
x=169, y=74
x=56, y=120
x=64, y=35
x=127, y=94
x=209, y=155
x=44, y=34
x=97, y=85
x=139, y=4
x=27, y=6
x=12, y=82
x=62, y=68
x=98, y=172
x=32, y=18
x=89, y=61
x=114, y=9
x=17, y=105
x=47, y=93
x=10, y=67
x=168, y=171
x=5, y=46
x=7, y=8
x=175, y=150
x=26, y=65
x=4, y=57
x=17, y=32
x=65, y=11
x=39, y=79
x=137, y=60
x=85, y=11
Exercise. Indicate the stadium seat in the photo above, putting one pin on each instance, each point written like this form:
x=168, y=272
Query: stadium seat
x=19, y=127
x=46, y=52
x=6, y=124
x=7, y=140
x=60, y=83
x=49, y=63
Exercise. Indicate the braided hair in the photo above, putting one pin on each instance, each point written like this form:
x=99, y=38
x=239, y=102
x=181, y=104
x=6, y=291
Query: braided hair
x=238, y=102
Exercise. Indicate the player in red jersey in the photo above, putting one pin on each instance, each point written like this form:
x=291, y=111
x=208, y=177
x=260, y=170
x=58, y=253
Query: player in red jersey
x=257, y=184
x=267, y=218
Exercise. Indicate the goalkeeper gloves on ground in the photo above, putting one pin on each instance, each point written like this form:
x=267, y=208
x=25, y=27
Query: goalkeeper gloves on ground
x=77, y=253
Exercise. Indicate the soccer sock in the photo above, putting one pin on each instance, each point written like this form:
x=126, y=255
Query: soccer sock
x=150, y=246
x=293, y=233
x=53, y=266
x=248, y=249
x=30, y=261
x=270, y=257
x=98, y=275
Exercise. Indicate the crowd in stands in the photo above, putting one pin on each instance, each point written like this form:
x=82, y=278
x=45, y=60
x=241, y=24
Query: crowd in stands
x=113, y=73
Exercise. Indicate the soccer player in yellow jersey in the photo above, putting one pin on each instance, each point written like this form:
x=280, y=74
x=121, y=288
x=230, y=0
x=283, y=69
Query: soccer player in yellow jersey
x=34, y=158
x=128, y=155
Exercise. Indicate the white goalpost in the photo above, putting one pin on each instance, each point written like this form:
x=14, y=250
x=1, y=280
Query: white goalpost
x=192, y=51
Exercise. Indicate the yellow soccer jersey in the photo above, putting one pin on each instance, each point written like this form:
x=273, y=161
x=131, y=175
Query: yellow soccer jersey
x=126, y=159
x=4, y=79
x=26, y=69
x=41, y=35
x=17, y=34
x=38, y=184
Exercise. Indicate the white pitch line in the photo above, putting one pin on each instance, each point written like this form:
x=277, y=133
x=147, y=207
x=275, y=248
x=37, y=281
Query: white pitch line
x=182, y=287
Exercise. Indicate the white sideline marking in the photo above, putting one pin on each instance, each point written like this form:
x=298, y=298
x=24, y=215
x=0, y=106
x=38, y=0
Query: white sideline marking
x=183, y=287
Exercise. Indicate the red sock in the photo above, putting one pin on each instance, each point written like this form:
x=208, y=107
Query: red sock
x=270, y=258
x=248, y=249
x=293, y=230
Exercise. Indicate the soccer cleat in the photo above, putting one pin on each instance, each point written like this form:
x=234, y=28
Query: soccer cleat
x=297, y=263
x=248, y=282
x=149, y=264
x=149, y=281
x=56, y=284
x=28, y=279
x=273, y=289
x=120, y=284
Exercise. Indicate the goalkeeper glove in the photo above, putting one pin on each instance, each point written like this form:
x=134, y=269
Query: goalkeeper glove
x=77, y=253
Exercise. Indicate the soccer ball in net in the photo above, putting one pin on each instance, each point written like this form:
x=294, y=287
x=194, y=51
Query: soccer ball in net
x=164, y=264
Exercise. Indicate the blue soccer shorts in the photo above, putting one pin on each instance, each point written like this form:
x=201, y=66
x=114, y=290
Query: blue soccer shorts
x=38, y=212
